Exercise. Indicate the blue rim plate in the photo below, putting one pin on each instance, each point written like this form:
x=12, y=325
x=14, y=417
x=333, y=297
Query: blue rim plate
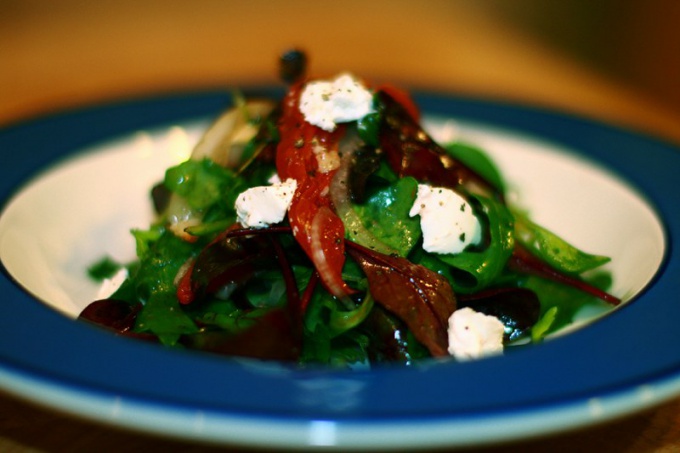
x=625, y=362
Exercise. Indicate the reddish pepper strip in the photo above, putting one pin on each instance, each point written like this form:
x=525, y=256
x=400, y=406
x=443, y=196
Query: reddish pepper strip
x=300, y=148
x=403, y=98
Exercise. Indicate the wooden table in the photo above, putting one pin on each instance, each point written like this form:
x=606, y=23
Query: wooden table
x=56, y=55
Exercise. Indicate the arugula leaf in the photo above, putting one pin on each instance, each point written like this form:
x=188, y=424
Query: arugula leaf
x=349, y=350
x=151, y=283
x=144, y=239
x=329, y=334
x=268, y=288
x=316, y=345
x=160, y=265
x=163, y=316
x=203, y=183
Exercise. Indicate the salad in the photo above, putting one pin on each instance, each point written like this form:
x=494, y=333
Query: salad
x=328, y=227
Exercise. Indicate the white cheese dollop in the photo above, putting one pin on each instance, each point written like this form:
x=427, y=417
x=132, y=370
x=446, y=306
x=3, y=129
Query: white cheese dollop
x=473, y=335
x=341, y=100
x=259, y=207
x=446, y=220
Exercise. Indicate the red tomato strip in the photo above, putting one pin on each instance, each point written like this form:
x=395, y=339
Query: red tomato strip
x=300, y=147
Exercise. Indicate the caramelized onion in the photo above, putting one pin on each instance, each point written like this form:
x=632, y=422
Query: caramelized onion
x=336, y=286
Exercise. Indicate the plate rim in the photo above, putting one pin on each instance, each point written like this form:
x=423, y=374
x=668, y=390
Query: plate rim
x=149, y=112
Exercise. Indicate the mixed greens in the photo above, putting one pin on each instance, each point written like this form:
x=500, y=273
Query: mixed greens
x=343, y=278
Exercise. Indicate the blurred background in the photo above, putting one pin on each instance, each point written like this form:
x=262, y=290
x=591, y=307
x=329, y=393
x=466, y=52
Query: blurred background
x=617, y=60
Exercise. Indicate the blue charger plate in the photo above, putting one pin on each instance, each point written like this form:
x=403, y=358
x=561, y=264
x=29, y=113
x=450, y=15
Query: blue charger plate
x=627, y=361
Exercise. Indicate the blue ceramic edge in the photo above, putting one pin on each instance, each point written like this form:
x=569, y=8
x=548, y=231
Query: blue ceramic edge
x=304, y=399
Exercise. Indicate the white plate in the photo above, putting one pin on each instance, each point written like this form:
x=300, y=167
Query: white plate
x=586, y=181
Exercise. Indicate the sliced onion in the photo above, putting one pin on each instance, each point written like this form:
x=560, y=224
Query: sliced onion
x=335, y=285
x=224, y=141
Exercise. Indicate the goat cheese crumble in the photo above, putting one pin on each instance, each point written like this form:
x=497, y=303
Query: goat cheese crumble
x=446, y=220
x=473, y=335
x=261, y=206
x=327, y=103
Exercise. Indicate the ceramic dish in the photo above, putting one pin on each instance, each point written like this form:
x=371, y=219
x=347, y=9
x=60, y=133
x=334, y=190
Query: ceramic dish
x=74, y=184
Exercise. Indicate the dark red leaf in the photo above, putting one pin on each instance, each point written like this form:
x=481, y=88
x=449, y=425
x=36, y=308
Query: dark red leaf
x=271, y=338
x=524, y=262
x=228, y=260
x=410, y=151
x=113, y=314
x=421, y=298
x=517, y=308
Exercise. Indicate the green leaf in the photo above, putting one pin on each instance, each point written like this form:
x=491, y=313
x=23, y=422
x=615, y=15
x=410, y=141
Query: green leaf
x=543, y=325
x=203, y=183
x=151, y=282
x=368, y=128
x=479, y=268
x=477, y=160
x=330, y=335
x=103, y=269
x=163, y=316
x=568, y=300
x=554, y=250
x=349, y=349
x=343, y=320
x=316, y=347
x=159, y=266
x=386, y=216
x=144, y=239
x=271, y=293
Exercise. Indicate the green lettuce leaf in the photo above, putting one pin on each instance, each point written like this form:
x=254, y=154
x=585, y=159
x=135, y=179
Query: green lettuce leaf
x=552, y=249
x=477, y=160
x=386, y=215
